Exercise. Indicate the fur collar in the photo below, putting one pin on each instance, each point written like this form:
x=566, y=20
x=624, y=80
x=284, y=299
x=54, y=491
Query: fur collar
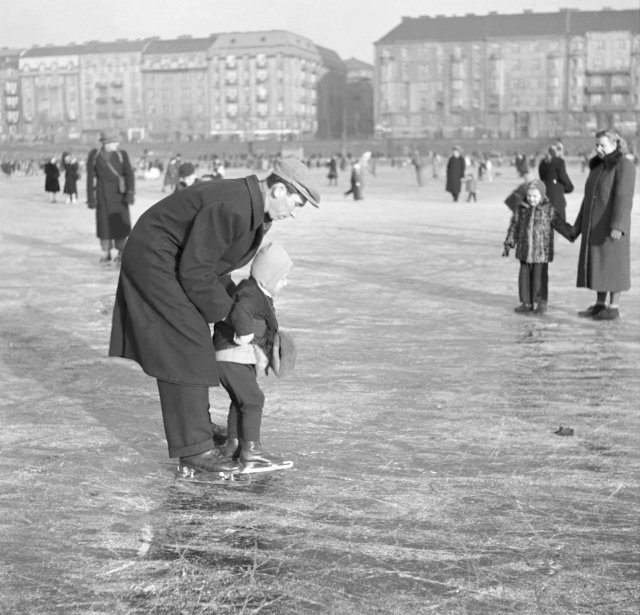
x=609, y=161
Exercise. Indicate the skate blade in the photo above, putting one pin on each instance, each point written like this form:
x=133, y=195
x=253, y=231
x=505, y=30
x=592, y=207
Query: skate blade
x=192, y=475
x=258, y=468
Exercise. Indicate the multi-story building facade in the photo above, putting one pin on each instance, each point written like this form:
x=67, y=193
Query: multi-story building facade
x=50, y=91
x=264, y=83
x=332, y=87
x=9, y=93
x=242, y=85
x=359, y=99
x=111, y=87
x=526, y=75
x=177, y=94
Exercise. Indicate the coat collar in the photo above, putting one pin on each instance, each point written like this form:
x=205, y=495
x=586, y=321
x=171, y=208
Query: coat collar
x=257, y=203
x=609, y=161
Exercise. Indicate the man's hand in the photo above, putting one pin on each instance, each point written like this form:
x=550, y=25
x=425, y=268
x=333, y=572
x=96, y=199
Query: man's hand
x=505, y=252
x=242, y=340
x=615, y=234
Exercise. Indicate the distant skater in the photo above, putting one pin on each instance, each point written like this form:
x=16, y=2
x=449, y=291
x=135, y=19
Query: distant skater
x=332, y=175
x=471, y=186
x=51, y=179
x=455, y=173
x=553, y=173
x=71, y=177
x=356, y=181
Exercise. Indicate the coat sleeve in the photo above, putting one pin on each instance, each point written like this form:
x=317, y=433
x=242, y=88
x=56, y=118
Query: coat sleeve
x=511, y=238
x=127, y=173
x=212, y=234
x=244, y=314
x=560, y=225
x=91, y=176
x=563, y=178
x=623, y=195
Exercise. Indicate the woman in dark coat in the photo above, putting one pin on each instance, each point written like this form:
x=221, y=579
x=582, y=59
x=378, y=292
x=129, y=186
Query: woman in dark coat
x=455, y=173
x=604, y=221
x=110, y=191
x=51, y=181
x=71, y=176
x=553, y=173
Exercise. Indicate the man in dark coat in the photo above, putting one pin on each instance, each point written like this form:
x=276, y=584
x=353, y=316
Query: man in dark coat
x=455, y=173
x=175, y=282
x=110, y=191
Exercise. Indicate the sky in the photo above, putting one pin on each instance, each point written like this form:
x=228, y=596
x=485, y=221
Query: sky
x=349, y=27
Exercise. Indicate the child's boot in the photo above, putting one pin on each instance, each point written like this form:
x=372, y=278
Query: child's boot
x=523, y=307
x=253, y=457
x=231, y=448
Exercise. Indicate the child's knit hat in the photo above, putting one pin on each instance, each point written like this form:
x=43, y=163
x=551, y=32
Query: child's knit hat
x=270, y=265
x=539, y=186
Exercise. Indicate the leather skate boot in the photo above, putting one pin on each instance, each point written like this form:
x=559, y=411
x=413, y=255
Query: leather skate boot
x=231, y=449
x=252, y=455
x=211, y=461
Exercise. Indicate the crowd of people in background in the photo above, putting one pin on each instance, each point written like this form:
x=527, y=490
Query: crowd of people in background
x=538, y=203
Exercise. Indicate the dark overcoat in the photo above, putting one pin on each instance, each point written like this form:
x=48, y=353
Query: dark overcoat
x=112, y=207
x=51, y=175
x=553, y=173
x=604, y=264
x=175, y=277
x=530, y=232
x=455, y=173
x=71, y=176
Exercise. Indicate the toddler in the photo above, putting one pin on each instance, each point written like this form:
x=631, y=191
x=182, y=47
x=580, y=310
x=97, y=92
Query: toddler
x=531, y=233
x=248, y=343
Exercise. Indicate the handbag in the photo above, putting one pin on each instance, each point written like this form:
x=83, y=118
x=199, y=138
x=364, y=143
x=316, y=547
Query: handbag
x=122, y=184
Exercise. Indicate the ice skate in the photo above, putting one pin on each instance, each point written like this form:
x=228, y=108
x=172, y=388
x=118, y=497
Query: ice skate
x=212, y=468
x=256, y=460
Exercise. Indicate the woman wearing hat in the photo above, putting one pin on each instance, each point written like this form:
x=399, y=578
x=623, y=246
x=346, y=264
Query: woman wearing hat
x=110, y=191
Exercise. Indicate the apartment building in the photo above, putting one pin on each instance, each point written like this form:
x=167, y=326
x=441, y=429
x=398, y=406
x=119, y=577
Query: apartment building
x=177, y=90
x=237, y=85
x=524, y=75
x=9, y=92
x=264, y=84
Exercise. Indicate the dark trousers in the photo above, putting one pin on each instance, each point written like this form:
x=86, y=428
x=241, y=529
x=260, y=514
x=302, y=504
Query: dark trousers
x=247, y=400
x=356, y=191
x=185, y=412
x=472, y=195
x=533, y=282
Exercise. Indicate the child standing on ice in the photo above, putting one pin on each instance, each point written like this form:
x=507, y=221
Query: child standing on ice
x=531, y=233
x=248, y=343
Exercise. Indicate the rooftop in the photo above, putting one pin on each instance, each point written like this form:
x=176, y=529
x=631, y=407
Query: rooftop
x=473, y=27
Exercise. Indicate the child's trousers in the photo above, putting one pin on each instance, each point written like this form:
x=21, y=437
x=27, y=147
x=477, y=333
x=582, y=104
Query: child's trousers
x=247, y=399
x=533, y=282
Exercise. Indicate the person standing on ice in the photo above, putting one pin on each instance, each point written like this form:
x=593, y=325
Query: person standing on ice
x=247, y=344
x=110, y=191
x=175, y=282
x=531, y=233
x=455, y=173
